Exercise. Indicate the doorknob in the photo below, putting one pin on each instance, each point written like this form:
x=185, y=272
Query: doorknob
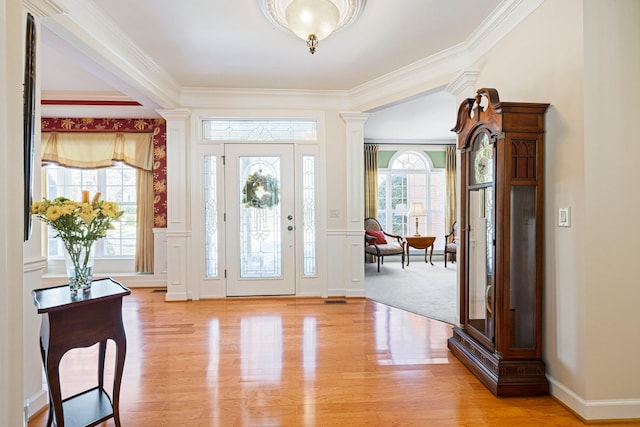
x=290, y=217
x=290, y=227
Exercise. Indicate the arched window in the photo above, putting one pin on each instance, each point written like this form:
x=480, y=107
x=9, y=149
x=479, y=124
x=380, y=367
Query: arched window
x=411, y=178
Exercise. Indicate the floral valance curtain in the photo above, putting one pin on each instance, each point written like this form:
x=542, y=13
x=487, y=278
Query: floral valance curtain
x=370, y=185
x=91, y=150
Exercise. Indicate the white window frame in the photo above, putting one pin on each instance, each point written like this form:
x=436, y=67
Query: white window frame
x=431, y=211
x=104, y=264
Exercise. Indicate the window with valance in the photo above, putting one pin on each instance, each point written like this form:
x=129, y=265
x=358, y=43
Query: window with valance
x=94, y=150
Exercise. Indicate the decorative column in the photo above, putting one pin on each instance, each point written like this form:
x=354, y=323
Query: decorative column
x=354, y=267
x=178, y=233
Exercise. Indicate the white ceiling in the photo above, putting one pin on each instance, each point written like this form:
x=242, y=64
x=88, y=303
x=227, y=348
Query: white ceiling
x=426, y=119
x=231, y=44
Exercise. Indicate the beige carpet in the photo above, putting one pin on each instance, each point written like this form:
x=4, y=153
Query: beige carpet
x=421, y=288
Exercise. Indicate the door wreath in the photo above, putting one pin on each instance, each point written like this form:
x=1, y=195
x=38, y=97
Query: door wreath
x=260, y=191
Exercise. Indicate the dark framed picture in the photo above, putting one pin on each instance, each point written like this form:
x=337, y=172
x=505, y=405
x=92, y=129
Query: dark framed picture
x=29, y=120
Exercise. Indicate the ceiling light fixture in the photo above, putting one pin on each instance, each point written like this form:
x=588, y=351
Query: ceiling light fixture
x=312, y=20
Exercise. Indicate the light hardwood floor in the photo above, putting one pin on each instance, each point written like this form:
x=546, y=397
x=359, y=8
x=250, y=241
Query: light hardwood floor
x=294, y=362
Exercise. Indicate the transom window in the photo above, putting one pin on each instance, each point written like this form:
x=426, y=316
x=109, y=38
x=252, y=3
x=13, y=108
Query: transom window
x=259, y=130
x=410, y=178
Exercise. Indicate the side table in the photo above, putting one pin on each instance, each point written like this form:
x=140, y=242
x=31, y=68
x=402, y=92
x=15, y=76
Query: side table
x=72, y=322
x=421, y=242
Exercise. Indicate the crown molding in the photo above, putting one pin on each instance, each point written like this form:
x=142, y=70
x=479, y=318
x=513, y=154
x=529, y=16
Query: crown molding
x=50, y=95
x=92, y=104
x=91, y=32
x=444, y=67
x=94, y=34
x=508, y=15
x=42, y=8
x=263, y=98
x=421, y=76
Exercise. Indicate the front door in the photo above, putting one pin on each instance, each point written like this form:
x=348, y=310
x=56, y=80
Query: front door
x=260, y=232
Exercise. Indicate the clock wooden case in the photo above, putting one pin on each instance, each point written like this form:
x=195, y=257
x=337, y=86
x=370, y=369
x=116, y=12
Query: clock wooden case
x=500, y=249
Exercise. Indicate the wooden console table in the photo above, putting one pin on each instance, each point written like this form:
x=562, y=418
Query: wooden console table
x=421, y=242
x=72, y=322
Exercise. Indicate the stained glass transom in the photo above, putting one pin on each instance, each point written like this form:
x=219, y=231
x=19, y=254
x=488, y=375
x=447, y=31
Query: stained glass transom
x=259, y=130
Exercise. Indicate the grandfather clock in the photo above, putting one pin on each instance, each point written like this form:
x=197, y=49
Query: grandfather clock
x=500, y=249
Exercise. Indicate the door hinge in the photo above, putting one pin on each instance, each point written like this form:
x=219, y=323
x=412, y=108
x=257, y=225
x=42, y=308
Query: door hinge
x=223, y=158
x=225, y=273
x=224, y=217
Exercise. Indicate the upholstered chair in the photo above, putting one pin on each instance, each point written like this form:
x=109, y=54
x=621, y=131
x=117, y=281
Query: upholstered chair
x=451, y=244
x=379, y=243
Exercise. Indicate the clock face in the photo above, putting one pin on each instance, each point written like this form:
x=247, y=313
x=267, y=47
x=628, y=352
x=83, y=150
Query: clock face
x=482, y=168
x=482, y=160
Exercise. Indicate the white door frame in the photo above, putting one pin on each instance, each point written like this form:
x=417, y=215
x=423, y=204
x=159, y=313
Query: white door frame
x=201, y=287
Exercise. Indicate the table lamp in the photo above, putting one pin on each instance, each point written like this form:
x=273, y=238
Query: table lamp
x=417, y=210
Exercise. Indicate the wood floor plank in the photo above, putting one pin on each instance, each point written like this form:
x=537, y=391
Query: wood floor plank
x=294, y=362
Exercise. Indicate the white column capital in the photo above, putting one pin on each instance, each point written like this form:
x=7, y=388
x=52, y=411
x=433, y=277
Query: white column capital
x=464, y=85
x=178, y=114
x=354, y=117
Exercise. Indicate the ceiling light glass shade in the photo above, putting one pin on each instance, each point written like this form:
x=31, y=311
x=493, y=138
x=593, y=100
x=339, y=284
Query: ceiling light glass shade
x=307, y=17
x=312, y=20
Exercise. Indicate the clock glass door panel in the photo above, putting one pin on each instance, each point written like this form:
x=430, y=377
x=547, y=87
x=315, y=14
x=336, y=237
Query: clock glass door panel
x=480, y=238
x=522, y=290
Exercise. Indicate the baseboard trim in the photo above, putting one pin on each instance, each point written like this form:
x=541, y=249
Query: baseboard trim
x=358, y=293
x=591, y=411
x=176, y=296
x=37, y=403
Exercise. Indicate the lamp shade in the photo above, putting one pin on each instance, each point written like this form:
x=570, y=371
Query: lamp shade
x=312, y=17
x=417, y=209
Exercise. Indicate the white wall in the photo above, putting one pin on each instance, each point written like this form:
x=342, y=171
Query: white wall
x=612, y=93
x=428, y=117
x=11, y=333
x=590, y=313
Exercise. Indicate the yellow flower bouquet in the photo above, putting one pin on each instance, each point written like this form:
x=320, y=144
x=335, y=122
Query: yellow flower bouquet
x=78, y=225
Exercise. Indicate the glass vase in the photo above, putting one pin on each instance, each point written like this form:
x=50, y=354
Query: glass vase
x=78, y=258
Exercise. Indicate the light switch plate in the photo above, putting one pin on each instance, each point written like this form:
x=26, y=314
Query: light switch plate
x=564, y=217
